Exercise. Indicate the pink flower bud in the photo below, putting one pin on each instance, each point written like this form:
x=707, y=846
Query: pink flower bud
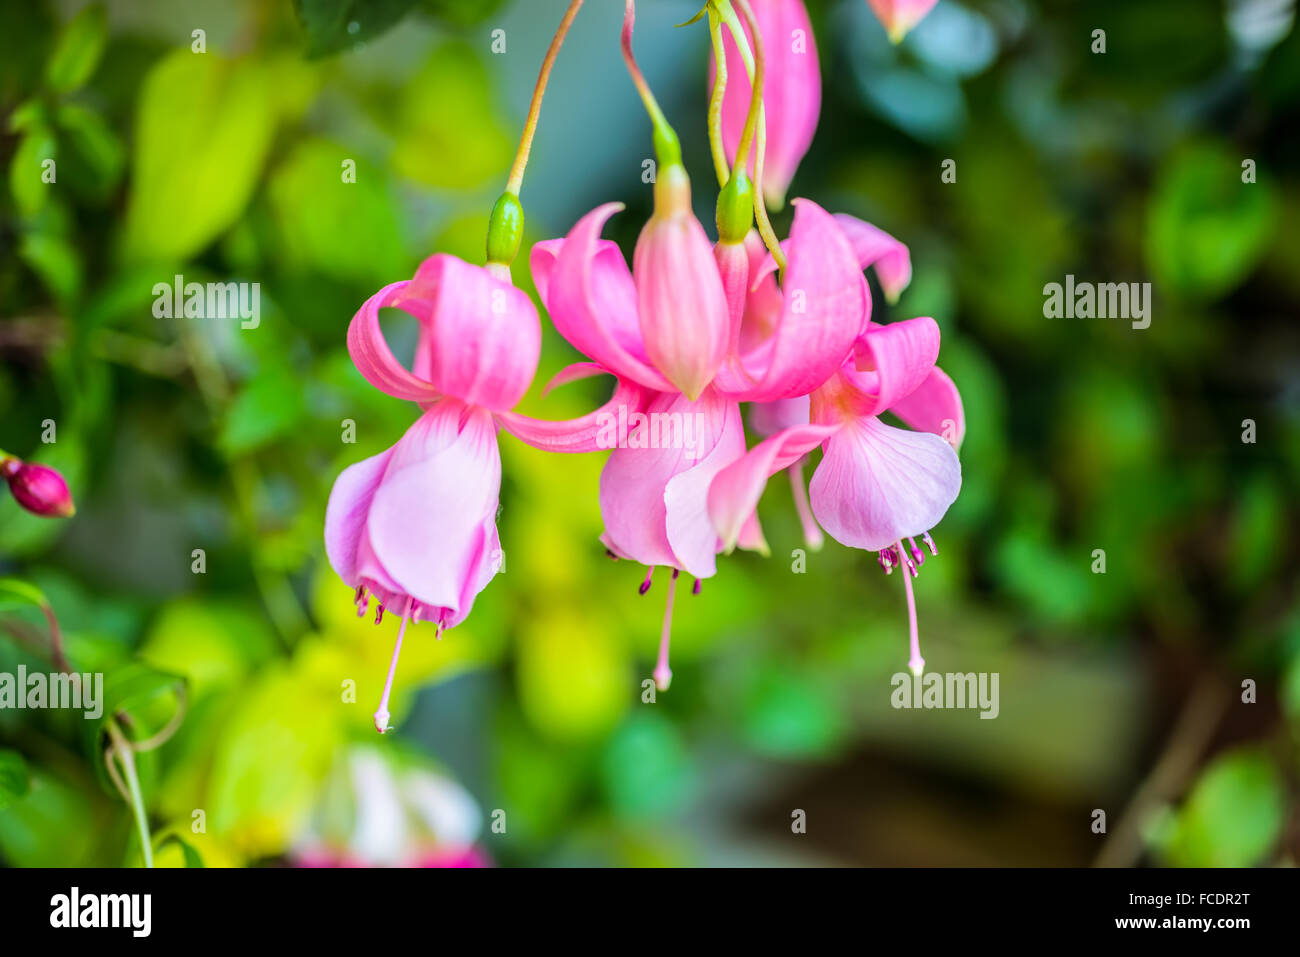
x=38, y=488
x=900, y=16
x=681, y=304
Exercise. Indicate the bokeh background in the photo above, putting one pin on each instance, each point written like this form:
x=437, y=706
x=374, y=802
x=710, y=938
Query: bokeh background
x=522, y=735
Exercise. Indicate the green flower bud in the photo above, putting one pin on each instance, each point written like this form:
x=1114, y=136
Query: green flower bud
x=505, y=229
x=736, y=208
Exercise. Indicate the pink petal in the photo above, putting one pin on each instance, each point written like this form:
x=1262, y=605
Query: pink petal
x=431, y=527
x=480, y=338
x=875, y=247
x=769, y=418
x=653, y=500
x=877, y=484
x=792, y=92
x=934, y=406
x=583, y=434
x=345, y=515
x=824, y=308
x=735, y=490
x=892, y=361
x=900, y=16
x=593, y=301
x=370, y=352
x=680, y=298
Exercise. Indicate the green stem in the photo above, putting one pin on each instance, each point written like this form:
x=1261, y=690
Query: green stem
x=667, y=147
x=122, y=748
x=756, y=119
x=715, y=101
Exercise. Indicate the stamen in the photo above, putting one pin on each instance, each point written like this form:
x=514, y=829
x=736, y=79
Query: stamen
x=382, y=715
x=663, y=675
x=918, y=556
x=609, y=553
x=886, y=560
x=645, y=585
x=812, y=533
x=929, y=543
x=915, y=662
x=379, y=614
x=695, y=589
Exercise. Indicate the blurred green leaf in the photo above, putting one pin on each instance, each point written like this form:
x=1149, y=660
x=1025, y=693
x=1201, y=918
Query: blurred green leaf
x=56, y=261
x=1206, y=229
x=97, y=155
x=14, y=779
x=333, y=25
x=78, y=49
x=202, y=133
x=189, y=854
x=268, y=407
x=1233, y=816
x=27, y=170
x=646, y=768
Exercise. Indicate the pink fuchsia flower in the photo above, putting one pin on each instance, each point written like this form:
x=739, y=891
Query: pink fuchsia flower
x=379, y=809
x=654, y=500
x=792, y=92
x=37, y=488
x=877, y=487
x=900, y=16
x=415, y=526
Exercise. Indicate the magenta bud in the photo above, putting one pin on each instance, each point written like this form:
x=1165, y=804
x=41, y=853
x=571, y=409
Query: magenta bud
x=38, y=488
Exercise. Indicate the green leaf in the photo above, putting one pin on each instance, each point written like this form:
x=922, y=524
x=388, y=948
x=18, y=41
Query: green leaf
x=1233, y=816
x=15, y=593
x=191, y=856
x=1206, y=229
x=77, y=50
x=14, y=779
x=27, y=170
x=97, y=154
x=269, y=406
x=333, y=25
x=202, y=134
x=149, y=696
x=56, y=261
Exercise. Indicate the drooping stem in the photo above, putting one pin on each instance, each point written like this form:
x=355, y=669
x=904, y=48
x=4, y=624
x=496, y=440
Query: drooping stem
x=667, y=147
x=756, y=119
x=124, y=753
x=516, y=180
x=715, y=99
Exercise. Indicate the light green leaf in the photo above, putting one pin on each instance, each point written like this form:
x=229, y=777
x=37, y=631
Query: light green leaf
x=202, y=134
x=14, y=780
x=333, y=25
x=77, y=50
x=27, y=170
x=269, y=406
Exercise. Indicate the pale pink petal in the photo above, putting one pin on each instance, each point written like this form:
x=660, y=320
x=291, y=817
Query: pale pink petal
x=346, y=513
x=769, y=418
x=792, y=92
x=427, y=522
x=934, y=406
x=735, y=490
x=690, y=532
x=877, y=484
x=875, y=247
x=593, y=301
x=480, y=338
x=541, y=263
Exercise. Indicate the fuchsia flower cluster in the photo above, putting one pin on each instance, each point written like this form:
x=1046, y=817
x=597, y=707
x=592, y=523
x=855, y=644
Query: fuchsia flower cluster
x=694, y=326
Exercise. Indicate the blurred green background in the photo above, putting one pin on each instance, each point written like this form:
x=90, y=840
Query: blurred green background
x=1120, y=691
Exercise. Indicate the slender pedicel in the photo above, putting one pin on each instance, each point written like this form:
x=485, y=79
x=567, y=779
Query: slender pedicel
x=663, y=675
x=382, y=715
x=812, y=533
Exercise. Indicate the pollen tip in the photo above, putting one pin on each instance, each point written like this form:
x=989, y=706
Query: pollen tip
x=917, y=665
x=381, y=721
x=699, y=584
x=643, y=587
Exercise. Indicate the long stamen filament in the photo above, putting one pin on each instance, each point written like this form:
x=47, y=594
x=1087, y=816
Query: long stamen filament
x=381, y=714
x=516, y=180
x=915, y=662
x=663, y=675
